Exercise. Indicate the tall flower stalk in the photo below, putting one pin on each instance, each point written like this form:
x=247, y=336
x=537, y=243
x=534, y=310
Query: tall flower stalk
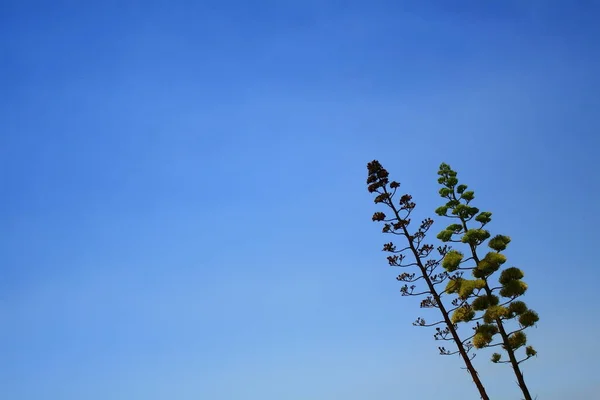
x=496, y=304
x=422, y=260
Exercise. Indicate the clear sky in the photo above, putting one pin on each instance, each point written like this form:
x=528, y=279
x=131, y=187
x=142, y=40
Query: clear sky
x=183, y=205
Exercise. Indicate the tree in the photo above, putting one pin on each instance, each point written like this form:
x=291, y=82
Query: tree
x=423, y=260
x=498, y=305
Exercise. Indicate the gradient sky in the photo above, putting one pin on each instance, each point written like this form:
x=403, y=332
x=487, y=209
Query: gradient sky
x=184, y=209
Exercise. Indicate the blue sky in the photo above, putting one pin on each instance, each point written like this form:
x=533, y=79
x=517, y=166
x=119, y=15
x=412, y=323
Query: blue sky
x=184, y=209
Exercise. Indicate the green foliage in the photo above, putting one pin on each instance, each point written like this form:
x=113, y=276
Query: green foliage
x=445, y=192
x=468, y=196
x=517, y=340
x=475, y=236
x=441, y=211
x=452, y=260
x=464, y=211
x=397, y=223
x=455, y=228
x=452, y=181
x=452, y=203
x=451, y=230
x=453, y=285
x=468, y=286
x=530, y=351
x=528, y=318
x=484, y=301
x=494, y=313
x=490, y=264
x=510, y=274
x=484, y=217
x=499, y=242
x=445, y=235
x=513, y=289
x=464, y=287
x=484, y=334
x=462, y=314
x=517, y=308
x=480, y=341
x=445, y=171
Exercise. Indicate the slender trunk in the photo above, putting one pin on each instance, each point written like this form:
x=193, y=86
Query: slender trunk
x=436, y=297
x=505, y=340
x=511, y=354
x=502, y=331
x=449, y=323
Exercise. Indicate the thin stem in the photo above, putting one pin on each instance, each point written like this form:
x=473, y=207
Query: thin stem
x=500, y=324
x=450, y=325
